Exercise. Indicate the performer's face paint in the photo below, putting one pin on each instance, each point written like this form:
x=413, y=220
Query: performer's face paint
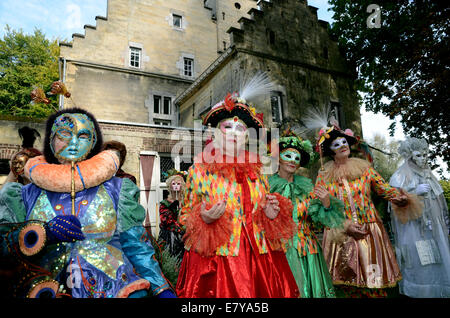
x=340, y=147
x=290, y=160
x=231, y=136
x=420, y=158
x=73, y=137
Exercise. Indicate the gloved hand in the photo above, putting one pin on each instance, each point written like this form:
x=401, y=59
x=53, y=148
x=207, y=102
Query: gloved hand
x=422, y=189
x=64, y=228
x=166, y=294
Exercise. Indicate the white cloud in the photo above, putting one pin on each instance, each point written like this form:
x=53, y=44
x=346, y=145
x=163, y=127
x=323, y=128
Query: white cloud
x=73, y=16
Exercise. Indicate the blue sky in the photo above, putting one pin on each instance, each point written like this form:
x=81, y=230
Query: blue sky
x=60, y=19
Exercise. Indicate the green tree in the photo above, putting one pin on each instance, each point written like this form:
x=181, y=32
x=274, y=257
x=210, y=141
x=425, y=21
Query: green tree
x=446, y=187
x=404, y=65
x=385, y=164
x=26, y=61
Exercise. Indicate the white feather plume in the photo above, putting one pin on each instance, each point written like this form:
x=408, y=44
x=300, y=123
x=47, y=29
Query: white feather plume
x=257, y=85
x=318, y=117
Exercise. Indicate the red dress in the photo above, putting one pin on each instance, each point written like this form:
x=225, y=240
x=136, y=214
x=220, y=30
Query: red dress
x=247, y=275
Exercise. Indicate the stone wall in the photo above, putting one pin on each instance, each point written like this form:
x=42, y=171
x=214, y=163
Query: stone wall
x=96, y=66
x=286, y=40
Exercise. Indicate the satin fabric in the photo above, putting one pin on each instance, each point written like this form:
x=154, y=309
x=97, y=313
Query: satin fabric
x=311, y=274
x=369, y=262
x=248, y=275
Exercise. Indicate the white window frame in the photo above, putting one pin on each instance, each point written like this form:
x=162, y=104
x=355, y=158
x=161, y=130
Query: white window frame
x=279, y=96
x=190, y=67
x=180, y=27
x=132, y=52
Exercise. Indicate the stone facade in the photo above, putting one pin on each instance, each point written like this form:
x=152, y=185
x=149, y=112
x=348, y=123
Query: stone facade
x=184, y=56
x=99, y=70
x=285, y=39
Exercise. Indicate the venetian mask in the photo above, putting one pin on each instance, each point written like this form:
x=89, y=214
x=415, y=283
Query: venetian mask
x=419, y=158
x=73, y=136
x=338, y=143
x=231, y=135
x=176, y=185
x=18, y=163
x=291, y=155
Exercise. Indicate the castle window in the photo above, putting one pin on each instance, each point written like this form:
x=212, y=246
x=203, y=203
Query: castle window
x=177, y=21
x=277, y=107
x=188, y=67
x=165, y=107
x=135, y=57
x=237, y=5
x=162, y=122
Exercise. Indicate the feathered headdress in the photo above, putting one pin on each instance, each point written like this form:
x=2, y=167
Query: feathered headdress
x=238, y=104
x=324, y=125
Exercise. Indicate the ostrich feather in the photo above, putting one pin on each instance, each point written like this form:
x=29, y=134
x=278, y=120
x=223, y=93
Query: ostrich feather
x=257, y=85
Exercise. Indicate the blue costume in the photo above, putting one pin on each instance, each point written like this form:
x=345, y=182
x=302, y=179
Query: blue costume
x=101, y=250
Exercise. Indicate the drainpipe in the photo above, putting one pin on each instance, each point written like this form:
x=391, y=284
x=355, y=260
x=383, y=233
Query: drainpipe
x=63, y=79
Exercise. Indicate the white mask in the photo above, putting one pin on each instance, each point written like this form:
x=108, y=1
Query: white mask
x=231, y=136
x=338, y=143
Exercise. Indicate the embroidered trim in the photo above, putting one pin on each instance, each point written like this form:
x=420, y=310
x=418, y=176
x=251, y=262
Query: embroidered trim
x=41, y=238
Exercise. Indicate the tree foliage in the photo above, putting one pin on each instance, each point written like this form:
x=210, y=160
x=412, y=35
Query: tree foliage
x=403, y=67
x=26, y=61
x=446, y=187
x=385, y=164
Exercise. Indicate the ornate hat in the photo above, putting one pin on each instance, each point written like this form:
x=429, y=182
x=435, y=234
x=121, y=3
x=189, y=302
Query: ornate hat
x=328, y=134
x=238, y=104
x=233, y=106
x=174, y=172
x=289, y=139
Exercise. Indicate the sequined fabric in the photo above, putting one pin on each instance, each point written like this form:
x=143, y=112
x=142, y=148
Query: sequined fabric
x=96, y=266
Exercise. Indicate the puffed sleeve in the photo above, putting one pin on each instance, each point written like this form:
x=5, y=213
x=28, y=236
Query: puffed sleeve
x=380, y=186
x=332, y=217
x=12, y=207
x=191, y=198
x=132, y=235
x=17, y=234
x=199, y=236
x=413, y=208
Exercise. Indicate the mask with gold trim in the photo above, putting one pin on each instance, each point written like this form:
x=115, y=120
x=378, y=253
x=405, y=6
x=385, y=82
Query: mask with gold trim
x=77, y=131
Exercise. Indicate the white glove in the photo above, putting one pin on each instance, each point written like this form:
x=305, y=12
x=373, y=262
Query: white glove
x=422, y=189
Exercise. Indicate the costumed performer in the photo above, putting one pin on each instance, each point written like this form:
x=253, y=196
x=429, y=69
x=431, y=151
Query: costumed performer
x=76, y=229
x=360, y=258
x=422, y=245
x=19, y=159
x=171, y=232
x=313, y=208
x=235, y=229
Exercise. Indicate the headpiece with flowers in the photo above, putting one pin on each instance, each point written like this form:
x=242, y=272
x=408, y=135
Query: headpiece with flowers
x=237, y=104
x=289, y=139
x=174, y=172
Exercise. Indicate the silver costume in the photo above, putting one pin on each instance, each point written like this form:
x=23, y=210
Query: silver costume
x=422, y=246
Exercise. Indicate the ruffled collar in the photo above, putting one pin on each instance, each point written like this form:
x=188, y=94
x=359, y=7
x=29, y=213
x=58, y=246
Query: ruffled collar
x=247, y=164
x=299, y=187
x=88, y=173
x=353, y=169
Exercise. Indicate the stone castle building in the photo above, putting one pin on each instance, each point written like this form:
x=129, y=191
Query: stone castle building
x=150, y=68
